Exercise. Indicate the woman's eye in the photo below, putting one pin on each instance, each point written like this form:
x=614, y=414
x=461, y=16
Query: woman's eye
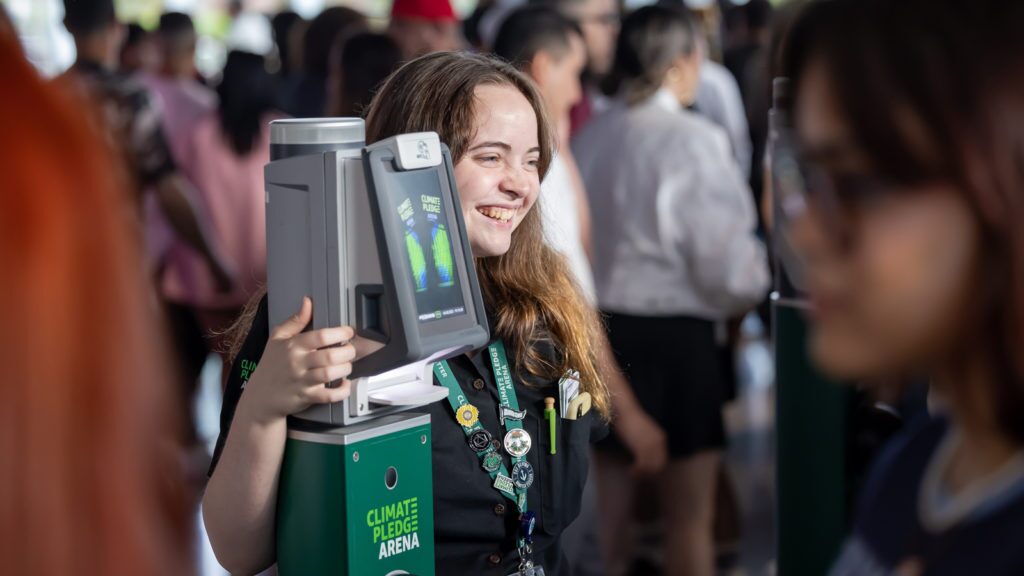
x=534, y=163
x=491, y=158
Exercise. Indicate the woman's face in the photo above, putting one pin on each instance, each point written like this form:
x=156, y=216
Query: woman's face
x=893, y=298
x=498, y=175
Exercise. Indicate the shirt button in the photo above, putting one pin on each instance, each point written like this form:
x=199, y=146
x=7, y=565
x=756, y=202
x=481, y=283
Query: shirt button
x=478, y=384
x=496, y=443
x=494, y=559
x=499, y=509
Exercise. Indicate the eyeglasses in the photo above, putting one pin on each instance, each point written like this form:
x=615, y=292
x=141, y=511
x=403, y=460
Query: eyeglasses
x=801, y=186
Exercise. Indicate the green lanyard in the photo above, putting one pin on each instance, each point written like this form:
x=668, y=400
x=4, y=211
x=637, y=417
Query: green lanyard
x=517, y=442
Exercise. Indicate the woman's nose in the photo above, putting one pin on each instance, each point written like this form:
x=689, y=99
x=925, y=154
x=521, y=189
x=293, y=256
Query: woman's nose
x=516, y=181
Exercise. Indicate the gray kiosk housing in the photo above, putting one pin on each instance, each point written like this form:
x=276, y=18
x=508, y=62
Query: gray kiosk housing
x=343, y=228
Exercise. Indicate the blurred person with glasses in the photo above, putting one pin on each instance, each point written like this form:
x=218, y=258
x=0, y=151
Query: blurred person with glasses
x=902, y=191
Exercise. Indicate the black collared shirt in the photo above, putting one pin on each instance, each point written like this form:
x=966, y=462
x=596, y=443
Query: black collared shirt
x=475, y=526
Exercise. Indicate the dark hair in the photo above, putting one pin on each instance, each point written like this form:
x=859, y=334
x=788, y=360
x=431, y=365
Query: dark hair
x=322, y=33
x=282, y=24
x=88, y=16
x=247, y=93
x=529, y=291
x=134, y=34
x=651, y=38
x=366, y=60
x=934, y=91
x=177, y=33
x=758, y=14
x=533, y=29
x=173, y=23
x=471, y=25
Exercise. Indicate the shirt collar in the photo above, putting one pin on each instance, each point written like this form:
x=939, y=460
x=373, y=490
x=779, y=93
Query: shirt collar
x=664, y=98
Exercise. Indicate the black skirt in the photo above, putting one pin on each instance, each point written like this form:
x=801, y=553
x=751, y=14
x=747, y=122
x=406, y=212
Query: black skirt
x=674, y=367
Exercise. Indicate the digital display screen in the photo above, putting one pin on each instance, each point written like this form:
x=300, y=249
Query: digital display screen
x=427, y=244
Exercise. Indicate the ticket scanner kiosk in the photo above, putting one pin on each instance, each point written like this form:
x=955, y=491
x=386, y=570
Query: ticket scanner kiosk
x=375, y=236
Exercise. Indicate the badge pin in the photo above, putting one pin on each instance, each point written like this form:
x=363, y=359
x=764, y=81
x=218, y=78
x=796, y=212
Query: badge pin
x=504, y=483
x=518, y=442
x=510, y=414
x=522, y=475
x=480, y=440
x=467, y=415
x=491, y=461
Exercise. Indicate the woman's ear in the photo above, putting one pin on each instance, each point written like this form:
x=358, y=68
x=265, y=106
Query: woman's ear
x=683, y=77
x=540, y=67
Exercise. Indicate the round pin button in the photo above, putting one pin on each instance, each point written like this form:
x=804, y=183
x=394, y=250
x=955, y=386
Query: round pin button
x=492, y=461
x=518, y=442
x=467, y=415
x=478, y=384
x=480, y=440
x=522, y=475
x=494, y=559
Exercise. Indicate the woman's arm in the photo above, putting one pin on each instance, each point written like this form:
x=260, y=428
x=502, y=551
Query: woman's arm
x=240, y=500
x=241, y=497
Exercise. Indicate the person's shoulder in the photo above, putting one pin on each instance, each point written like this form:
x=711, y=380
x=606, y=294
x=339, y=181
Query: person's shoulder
x=718, y=76
x=895, y=477
x=597, y=130
x=703, y=134
x=701, y=127
x=557, y=178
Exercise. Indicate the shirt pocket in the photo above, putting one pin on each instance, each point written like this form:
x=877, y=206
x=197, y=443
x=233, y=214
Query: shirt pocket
x=565, y=473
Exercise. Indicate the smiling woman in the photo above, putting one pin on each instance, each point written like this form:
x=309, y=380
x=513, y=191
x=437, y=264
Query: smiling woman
x=502, y=518
x=501, y=139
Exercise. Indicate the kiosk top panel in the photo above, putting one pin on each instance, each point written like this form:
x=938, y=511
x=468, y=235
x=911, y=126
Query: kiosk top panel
x=318, y=131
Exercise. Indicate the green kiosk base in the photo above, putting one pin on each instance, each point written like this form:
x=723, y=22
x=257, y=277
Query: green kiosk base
x=357, y=500
x=811, y=451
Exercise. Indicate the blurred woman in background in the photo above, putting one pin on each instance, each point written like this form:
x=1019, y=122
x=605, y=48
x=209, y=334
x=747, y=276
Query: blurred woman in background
x=309, y=97
x=676, y=253
x=359, y=65
x=905, y=197
x=224, y=160
x=90, y=483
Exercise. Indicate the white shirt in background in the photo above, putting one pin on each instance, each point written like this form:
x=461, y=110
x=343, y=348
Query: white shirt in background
x=719, y=100
x=673, y=218
x=561, y=216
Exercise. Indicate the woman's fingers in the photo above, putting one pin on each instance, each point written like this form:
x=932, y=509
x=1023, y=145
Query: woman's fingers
x=326, y=374
x=295, y=324
x=324, y=337
x=330, y=356
x=325, y=395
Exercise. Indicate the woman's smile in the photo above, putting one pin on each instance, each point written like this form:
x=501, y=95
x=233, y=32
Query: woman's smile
x=497, y=213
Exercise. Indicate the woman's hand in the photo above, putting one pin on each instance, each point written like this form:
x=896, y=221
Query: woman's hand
x=645, y=440
x=295, y=367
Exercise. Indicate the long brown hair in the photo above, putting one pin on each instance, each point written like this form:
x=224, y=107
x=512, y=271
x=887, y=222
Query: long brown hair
x=84, y=392
x=529, y=290
x=934, y=91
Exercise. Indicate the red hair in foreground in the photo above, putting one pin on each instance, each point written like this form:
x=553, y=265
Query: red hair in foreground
x=88, y=480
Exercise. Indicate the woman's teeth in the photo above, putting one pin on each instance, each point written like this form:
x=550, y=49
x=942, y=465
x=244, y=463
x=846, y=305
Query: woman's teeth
x=500, y=214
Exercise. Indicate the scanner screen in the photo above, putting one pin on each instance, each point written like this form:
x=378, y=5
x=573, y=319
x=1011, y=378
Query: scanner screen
x=427, y=242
